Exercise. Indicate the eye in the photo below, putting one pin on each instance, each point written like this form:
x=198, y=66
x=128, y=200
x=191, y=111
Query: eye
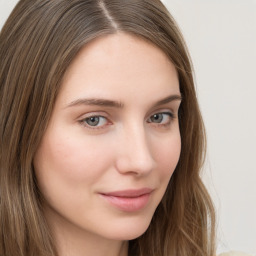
x=94, y=121
x=161, y=118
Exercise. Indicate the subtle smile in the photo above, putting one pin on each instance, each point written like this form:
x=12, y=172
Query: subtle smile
x=129, y=200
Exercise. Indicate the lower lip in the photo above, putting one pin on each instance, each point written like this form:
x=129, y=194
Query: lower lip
x=128, y=204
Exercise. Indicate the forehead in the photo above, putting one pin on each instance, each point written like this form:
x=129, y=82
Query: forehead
x=120, y=63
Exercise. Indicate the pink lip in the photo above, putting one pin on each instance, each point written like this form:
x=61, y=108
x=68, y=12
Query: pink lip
x=128, y=200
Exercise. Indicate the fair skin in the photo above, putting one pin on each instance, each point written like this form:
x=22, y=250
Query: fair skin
x=111, y=146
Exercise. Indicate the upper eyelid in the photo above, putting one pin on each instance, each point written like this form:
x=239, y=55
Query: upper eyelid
x=162, y=111
x=109, y=116
x=169, y=106
x=87, y=117
x=106, y=115
x=92, y=114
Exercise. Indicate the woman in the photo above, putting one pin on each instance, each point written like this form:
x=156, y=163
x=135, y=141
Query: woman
x=102, y=139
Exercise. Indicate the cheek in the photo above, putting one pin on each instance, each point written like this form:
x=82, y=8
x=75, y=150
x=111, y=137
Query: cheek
x=69, y=156
x=68, y=165
x=167, y=156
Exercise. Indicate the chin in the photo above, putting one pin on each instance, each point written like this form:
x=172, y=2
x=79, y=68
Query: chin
x=129, y=229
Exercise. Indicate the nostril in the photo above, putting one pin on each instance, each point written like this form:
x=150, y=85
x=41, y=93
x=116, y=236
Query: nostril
x=136, y=163
x=134, y=152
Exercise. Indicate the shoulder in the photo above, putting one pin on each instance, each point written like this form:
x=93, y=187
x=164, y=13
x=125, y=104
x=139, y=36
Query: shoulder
x=234, y=254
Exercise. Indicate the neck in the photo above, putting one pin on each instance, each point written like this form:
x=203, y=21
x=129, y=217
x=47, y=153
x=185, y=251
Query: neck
x=87, y=247
x=71, y=240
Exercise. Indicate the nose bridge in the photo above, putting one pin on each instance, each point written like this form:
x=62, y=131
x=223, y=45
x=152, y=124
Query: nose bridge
x=135, y=153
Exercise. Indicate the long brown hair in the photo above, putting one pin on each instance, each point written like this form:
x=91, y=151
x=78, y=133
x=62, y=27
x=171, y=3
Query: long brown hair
x=37, y=44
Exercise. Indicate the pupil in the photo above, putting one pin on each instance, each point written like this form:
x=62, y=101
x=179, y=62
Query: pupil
x=93, y=121
x=157, y=118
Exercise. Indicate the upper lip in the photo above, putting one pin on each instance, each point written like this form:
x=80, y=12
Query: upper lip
x=129, y=192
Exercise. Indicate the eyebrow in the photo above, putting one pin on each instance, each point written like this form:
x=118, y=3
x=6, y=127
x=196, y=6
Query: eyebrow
x=117, y=104
x=169, y=99
x=96, y=102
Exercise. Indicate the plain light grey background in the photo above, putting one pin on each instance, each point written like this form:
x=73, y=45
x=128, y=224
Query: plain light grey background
x=221, y=37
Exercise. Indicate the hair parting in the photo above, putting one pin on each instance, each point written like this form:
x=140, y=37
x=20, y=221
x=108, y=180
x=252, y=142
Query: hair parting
x=38, y=42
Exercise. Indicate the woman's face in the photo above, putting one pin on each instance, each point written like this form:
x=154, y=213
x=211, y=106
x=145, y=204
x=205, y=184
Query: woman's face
x=113, y=140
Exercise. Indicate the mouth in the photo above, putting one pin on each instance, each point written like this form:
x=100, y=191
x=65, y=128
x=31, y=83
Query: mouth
x=128, y=200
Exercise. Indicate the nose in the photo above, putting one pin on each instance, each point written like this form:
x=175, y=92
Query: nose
x=135, y=154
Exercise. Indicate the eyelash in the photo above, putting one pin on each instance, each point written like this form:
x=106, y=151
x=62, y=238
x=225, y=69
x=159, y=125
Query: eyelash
x=168, y=115
x=85, y=120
